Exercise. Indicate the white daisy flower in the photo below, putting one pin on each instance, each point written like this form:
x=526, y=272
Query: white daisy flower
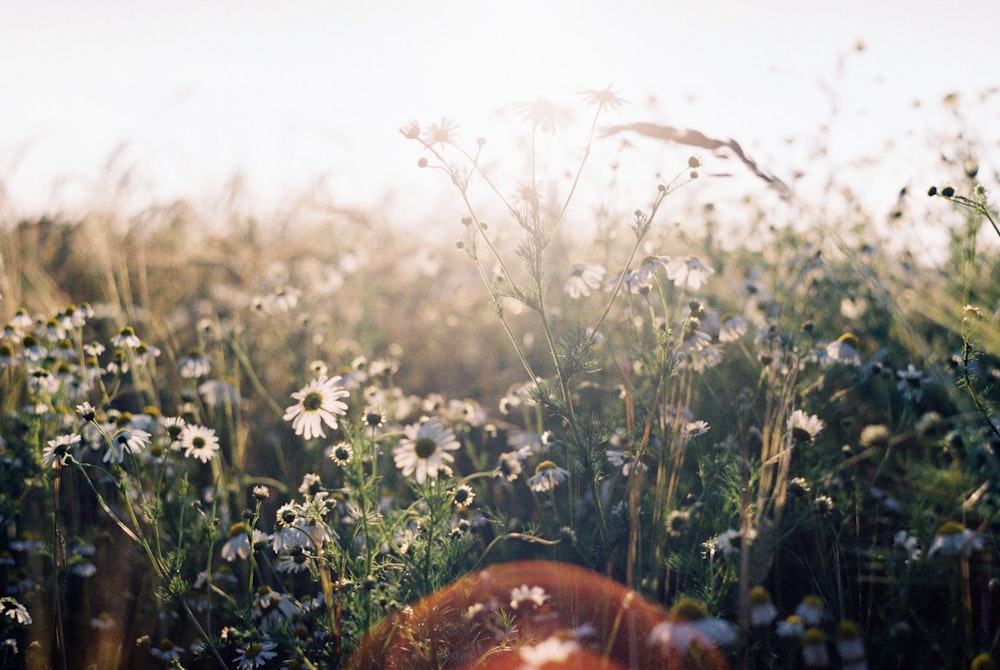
x=255, y=654
x=547, y=476
x=54, y=455
x=688, y=272
x=732, y=328
x=10, y=608
x=552, y=651
x=424, y=450
x=126, y=339
x=804, y=427
x=953, y=538
x=131, y=440
x=198, y=442
x=194, y=365
x=583, y=278
x=319, y=403
x=524, y=594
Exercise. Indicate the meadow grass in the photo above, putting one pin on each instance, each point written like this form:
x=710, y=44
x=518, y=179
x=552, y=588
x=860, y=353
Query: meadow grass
x=245, y=445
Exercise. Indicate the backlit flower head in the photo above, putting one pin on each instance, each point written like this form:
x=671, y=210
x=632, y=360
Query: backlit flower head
x=624, y=460
x=811, y=609
x=804, y=427
x=850, y=644
x=319, y=403
x=255, y=654
x=548, y=653
x=424, y=451
x=463, y=496
x=238, y=544
x=511, y=464
x=688, y=272
x=843, y=350
x=57, y=451
x=911, y=382
x=543, y=114
x=814, y=651
x=547, y=476
x=194, y=365
x=729, y=542
x=910, y=543
x=603, y=98
x=442, y=132
x=632, y=282
x=791, y=628
x=763, y=612
x=647, y=269
x=126, y=339
x=582, y=278
x=528, y=594
x=198, y=442
x=131, y=440
x=691, y=626
x=10, y=608
x=695, y=429
x=952, y=539
x=732, y=328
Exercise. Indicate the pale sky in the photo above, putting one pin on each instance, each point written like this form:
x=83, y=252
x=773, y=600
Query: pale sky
x=184, y=94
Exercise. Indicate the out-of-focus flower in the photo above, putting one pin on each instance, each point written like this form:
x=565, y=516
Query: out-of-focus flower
x=844, y=350
x=814, y=651
x=194, y=365
x=690, y=621
x=911, y=382
x=547, y=476
x=442, y=132
x=217, y=393
x=625, y=461
x=603, y=98
x=791, y=628
x=953, y=538
x=874, y=435
x=983, y=661
x=126, y=339
x=732, y=328
x=810, y=610
x=729, y=542
x=688, y=272
x=583, y=278
x=166, y=651
x=511, y=463
x=543, y=114
x=552, y=650
x=763, y=612
x=238, y=544
x=850, y=645
x=528, y=594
